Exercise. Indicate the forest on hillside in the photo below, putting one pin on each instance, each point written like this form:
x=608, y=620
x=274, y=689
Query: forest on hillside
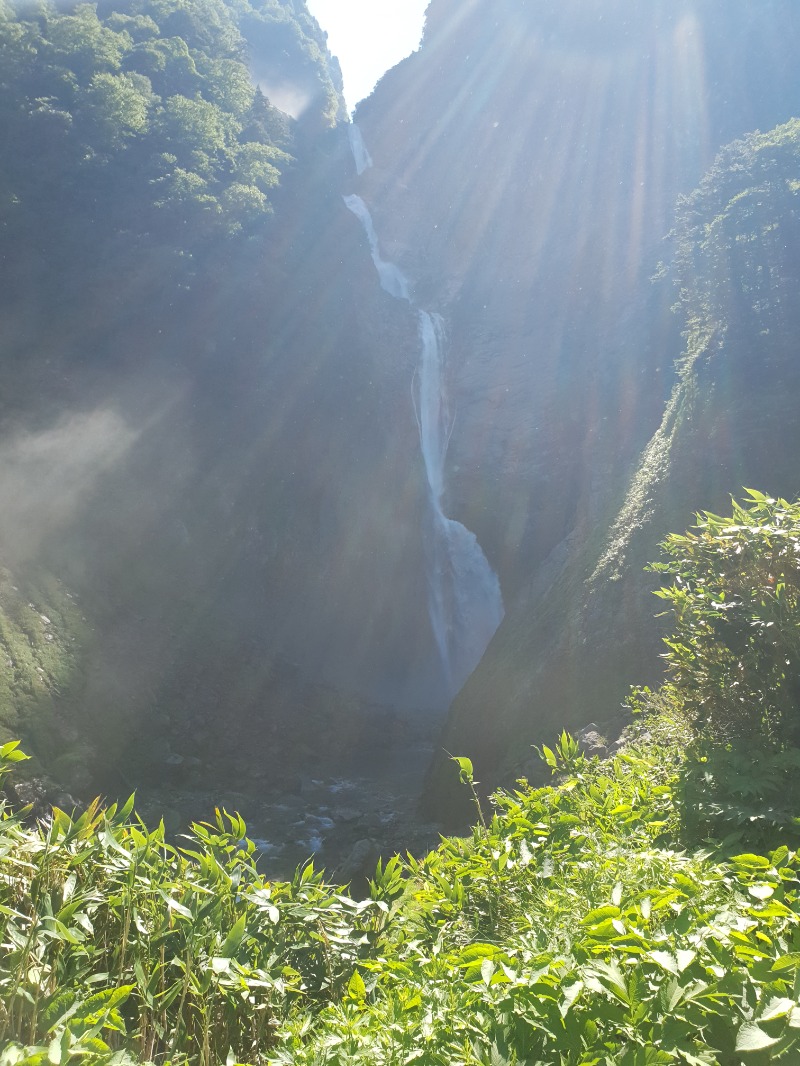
x=140, y=128
x=216, y=551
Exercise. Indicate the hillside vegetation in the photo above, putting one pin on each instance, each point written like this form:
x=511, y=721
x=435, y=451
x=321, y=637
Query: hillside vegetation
x=642, y=910
x=164, y=228
x=145, y=116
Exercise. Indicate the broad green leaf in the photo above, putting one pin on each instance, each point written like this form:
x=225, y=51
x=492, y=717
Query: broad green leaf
x=787, y=962
x=69, y=886
x=549, y=757
x=58, y=1051
x=608, y=976
x=464, y=766
x=685, y=959
x=665, y=960
x=780, y=857
x=571, y=994
x=497, y=1057
x=670, y=995
x=695, y=1060
x=107, y=836
x=473, y=952
x=174, y=905
x=10, y=752
x=751, y=862
x=234, y=938
x=61, y=932
x=773, y=909
x=777, y=1007
x=649, y=1056
x=600, y=914
x=752, y=1038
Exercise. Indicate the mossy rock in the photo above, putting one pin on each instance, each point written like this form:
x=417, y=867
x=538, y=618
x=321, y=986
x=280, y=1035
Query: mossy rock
x=42, y=634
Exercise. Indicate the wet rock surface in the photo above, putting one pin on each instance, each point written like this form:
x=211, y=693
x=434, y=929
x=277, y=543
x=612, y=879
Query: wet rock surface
x=35, y=797
x=344, y=813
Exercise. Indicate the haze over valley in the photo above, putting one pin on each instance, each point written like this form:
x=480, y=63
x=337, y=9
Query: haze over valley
x=326, y=447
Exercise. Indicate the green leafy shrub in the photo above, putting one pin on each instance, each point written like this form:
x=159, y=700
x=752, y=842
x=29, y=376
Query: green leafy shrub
x=98, y=98
x=571, y=930
x=737, y=235
x=579, y=925
x=112, y=940
x=734, y=653
x=565, y=758
x=748, y=794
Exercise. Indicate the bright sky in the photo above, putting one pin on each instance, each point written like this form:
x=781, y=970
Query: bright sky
x=368, y=37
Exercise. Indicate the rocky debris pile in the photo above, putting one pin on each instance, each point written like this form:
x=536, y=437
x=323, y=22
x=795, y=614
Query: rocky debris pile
x=35, y=798
x=343, y=824
x=344, y=811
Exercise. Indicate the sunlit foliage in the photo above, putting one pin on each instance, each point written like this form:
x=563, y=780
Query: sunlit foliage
x=734, y=652
x=109, y=109
x=737, y=238
x=732, y=659
x=573, y=927
x=641, y=911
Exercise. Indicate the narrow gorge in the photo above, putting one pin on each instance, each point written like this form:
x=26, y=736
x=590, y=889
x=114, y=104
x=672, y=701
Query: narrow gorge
x=316, y=433
x=465, y=604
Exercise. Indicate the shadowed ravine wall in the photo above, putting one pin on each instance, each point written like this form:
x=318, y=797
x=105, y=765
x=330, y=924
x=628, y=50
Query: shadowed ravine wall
x=244, y=527
x=527, y=161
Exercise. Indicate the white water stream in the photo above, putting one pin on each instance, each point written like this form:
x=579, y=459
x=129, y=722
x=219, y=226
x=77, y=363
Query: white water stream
x=361, y=157
x=464, y=600
x=393, y=280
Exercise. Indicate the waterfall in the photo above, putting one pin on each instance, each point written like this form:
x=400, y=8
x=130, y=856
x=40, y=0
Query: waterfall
x=464, y=600
x=361, y=156
x=465, y=605
x=392, y=278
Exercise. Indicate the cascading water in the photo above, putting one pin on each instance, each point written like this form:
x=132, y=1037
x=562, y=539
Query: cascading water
x=464, y=600
x=393, y=280
x=361, y=156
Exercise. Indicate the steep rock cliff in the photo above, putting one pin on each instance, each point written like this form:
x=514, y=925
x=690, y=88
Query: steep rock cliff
x=219, y=422
x=206, y=422
x=583, y=631
x=527, y=162
x=527, y=159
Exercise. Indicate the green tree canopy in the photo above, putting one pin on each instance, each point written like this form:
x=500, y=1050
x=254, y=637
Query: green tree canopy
x=122, y=115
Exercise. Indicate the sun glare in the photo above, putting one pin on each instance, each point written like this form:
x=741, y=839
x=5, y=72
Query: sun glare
x=368, y=37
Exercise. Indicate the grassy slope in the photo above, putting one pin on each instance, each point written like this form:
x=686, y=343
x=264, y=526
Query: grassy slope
x=579, y=926
x=41, y=635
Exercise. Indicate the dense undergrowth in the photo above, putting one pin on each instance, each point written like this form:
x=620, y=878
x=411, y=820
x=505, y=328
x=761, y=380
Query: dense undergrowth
x=642, y=910
x=580, y=926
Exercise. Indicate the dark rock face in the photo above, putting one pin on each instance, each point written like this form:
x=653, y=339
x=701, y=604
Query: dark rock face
x=527, y=163
x=584, y=633
x=244, y=529
x=269, y=513
x=221, y=457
